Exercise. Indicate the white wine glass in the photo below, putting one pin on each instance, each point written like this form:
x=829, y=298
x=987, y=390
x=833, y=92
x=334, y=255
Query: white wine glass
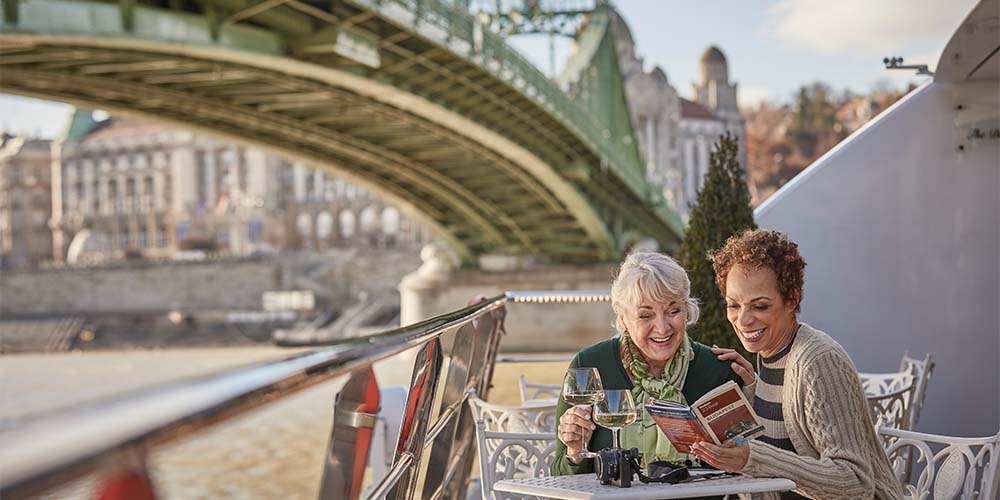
x=582, y=387
x=614, y=411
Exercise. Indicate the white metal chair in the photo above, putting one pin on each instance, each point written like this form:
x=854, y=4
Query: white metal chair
x=960, y=468
x=539, y=416
x=890, y=397
x=513, y=442
x=531, y=391
x=877, y=384
x=512, y=455
x=921, y=370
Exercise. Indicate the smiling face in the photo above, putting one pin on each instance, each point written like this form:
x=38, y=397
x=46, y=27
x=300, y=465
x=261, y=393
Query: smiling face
x=657, y=329
x=763, y=319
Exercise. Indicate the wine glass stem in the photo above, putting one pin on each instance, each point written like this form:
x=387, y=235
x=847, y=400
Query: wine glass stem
x=614, y=437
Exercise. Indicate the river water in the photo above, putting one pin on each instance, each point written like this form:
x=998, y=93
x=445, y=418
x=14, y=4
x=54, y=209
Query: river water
x=275, y=452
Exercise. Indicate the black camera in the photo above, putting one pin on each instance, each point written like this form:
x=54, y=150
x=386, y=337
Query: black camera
x=617, y=466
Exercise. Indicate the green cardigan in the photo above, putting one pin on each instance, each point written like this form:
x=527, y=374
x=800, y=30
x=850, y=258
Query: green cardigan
x=705, y=373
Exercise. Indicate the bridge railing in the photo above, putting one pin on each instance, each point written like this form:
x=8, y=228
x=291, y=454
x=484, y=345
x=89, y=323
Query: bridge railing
x=493, y=54
x=112, y=439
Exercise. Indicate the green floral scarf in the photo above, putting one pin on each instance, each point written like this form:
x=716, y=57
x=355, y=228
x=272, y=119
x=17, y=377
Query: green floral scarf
x=644, y=434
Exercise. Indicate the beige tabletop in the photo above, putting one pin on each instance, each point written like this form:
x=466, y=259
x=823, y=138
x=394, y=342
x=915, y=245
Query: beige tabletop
x=586, y=487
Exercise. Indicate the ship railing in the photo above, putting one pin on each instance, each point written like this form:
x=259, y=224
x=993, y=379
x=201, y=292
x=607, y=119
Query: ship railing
x=112, y=439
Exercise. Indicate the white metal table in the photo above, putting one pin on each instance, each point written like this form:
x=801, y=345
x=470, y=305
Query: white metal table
x=586, y=487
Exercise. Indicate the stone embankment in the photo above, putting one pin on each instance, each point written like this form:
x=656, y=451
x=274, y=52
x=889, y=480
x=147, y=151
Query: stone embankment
x=335, y=277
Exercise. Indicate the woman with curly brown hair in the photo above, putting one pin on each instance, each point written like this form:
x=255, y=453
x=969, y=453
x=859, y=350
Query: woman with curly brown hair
x=818, y=432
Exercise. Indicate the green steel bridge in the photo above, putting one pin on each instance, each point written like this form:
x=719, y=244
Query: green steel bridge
x=419, y=100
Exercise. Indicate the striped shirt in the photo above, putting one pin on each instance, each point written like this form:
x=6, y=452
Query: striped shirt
x=767, y=404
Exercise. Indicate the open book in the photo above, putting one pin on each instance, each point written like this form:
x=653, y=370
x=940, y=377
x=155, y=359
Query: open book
x=722, y=416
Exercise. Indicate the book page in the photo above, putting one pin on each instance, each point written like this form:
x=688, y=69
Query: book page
x=728, y=416
x=680, y=425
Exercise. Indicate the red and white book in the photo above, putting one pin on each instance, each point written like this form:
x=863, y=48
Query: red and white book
x=722, y=416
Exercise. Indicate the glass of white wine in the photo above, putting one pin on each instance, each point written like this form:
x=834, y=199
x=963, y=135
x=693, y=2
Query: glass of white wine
x=582, y=387
x=614, y=411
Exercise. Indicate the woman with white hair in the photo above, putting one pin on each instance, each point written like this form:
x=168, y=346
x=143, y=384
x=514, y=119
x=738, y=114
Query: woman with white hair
x=651, y=356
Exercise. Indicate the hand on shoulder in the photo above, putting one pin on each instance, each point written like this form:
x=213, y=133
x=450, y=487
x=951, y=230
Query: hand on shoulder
x=740, y=365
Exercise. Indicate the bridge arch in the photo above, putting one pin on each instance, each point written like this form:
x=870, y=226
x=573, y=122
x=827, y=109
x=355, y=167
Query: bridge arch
x=477, y=185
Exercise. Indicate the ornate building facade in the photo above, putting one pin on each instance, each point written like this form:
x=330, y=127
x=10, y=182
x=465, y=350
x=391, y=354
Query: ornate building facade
x=675, y=134
x=25, y=202
x=130, y=187
x=715, y=92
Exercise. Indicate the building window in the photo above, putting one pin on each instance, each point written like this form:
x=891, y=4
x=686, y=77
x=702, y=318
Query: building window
x=369, y=220
x=390, y=220
x=346, y=224
x=324, y=225
x=310, y=186
x=131, y=200
x=304, y=224
x=88, y=168
x=168, y=190
x=147, y=194
x=113, y=203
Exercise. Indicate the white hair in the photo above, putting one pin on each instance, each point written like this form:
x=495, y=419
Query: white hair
x=653, y=277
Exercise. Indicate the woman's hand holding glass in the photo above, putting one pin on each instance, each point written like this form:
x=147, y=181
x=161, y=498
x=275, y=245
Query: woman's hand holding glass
x=581, y=388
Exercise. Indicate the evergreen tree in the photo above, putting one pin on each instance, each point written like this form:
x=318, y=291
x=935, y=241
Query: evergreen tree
x=722, y=210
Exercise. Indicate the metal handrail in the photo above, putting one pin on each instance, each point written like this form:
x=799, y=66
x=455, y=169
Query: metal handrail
x=59, y=449
x=497, y=57
x=100, y=436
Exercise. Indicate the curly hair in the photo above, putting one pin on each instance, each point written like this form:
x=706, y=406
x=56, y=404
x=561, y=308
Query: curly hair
x=760, y=248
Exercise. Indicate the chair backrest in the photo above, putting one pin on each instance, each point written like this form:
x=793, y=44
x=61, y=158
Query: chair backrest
x=953, y=467
x=878, y=384
x=539, y=417
x=892, y=408
x=513, y=441
x=531, y=391
x=512, y=455
x=921, y=370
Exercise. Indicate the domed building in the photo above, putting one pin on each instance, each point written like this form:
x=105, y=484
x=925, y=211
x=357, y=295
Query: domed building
x=676, y=135
x=715, y=92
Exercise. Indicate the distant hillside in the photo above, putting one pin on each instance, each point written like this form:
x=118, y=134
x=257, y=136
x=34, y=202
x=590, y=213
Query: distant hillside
x=782, y=140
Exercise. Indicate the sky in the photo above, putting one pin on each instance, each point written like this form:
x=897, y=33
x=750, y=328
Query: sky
x=773, y=47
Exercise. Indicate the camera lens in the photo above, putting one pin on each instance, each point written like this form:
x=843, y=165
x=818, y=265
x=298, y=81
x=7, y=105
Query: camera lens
x=606, y=466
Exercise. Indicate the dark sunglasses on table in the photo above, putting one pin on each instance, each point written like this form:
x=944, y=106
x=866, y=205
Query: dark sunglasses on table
x=662, y=471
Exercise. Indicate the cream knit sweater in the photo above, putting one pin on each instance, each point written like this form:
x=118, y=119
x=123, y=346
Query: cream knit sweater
x=823, y=405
